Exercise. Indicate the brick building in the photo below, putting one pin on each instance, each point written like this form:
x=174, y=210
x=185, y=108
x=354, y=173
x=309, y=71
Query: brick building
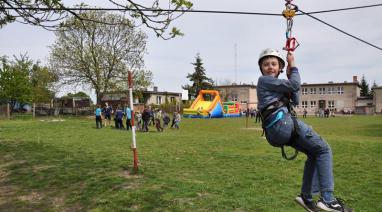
x=377, y=100
x=337, y=97
x=242, y=93
x=343, y=97
x=153, y=97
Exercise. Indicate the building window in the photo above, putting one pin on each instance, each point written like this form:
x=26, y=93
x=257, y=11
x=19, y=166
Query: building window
x=312, y=104
x=321, y=91
x=331, y=104
x=159, y=100
x=331, y=90
x=312, y=90
x=304, y=91
x=304, y=104
x=340, y=90
x=172, y=99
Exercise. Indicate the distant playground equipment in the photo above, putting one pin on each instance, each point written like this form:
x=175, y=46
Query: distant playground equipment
x=231, y=109
x=213, y=108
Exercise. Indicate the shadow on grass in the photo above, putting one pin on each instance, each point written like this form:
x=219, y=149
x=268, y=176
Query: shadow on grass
x=34, y=176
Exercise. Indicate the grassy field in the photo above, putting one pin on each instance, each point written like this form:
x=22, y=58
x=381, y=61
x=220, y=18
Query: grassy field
x=207, y=165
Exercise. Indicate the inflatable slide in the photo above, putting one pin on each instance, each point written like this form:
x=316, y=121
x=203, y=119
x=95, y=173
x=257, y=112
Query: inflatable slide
x=203, y=108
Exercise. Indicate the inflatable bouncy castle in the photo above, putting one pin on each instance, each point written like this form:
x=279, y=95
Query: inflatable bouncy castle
x=209, y=105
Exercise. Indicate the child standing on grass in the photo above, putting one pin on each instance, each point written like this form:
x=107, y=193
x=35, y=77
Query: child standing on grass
x=177, y=120
x=98, y=116
x=108, y=110
x=166, y=120
x=275, y=97
x=128, y=118
x=138, y=120
x=119, y=118
x=158, y=117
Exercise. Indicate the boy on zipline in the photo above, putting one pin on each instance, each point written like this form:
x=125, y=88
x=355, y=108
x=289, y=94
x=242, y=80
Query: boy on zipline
x=275, y=99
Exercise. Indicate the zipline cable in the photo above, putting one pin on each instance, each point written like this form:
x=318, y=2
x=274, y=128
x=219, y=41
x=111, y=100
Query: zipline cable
x=340, y=30
x=213, y=12
x=183, y=11
x=343, y=9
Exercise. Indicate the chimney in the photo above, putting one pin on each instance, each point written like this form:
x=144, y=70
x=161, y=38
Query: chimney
x=355, y=79
x=155, y=89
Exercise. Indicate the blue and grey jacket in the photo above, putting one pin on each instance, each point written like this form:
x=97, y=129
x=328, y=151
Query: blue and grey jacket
x=278, y=125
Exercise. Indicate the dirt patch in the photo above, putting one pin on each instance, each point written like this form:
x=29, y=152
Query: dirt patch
x=6, y=191
x=128, y=175
x=32, y=197
x=41, y=167
x=52, y=120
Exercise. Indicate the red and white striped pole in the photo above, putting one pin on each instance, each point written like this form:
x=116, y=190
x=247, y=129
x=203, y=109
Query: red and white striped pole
x=134, y=145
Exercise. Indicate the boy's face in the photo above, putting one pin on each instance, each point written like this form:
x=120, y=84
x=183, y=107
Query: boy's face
x=270, y=66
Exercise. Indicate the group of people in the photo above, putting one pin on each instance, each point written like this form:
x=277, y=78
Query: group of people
x=253, y=113
x=143, y=120
x=155, y=117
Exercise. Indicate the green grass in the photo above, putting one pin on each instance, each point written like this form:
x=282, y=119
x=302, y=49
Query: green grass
x=207, y=165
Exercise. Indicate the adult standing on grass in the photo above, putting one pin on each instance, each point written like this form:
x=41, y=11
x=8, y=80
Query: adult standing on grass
x=107, y=110
x=304, y=113
x=98, y=117
x=119, y=118
x=146, y=118
x=281, y=127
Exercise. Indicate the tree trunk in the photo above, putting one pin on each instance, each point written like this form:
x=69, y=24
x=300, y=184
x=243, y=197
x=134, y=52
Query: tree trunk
x=99, y=97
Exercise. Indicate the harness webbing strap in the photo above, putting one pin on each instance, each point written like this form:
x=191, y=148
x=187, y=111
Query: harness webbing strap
x=293, y=139
x=267, y=111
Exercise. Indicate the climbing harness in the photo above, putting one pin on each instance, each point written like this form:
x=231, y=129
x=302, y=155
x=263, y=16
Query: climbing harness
x=289, y=12
x=270, y=110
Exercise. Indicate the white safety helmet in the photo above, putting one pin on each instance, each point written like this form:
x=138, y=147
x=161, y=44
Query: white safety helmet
x=271, y=52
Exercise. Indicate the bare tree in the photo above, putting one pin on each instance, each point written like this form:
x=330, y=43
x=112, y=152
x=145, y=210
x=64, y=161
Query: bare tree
x=48, y=14
x=100, y=55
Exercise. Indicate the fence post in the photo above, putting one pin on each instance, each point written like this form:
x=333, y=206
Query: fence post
x=134, y=144
x=8, y=112
x=34, y=110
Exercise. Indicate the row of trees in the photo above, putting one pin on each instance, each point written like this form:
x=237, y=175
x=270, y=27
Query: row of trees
x=365, y=90
x=92, y=48
x=23, y=81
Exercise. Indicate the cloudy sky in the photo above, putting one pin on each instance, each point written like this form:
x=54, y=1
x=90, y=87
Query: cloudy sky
x=324, y=55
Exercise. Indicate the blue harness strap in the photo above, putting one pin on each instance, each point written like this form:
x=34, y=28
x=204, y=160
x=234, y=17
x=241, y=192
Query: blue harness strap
x=279, y=116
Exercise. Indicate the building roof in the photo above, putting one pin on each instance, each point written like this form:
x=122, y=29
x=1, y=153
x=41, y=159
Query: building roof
x=235, y=86
x=330, y=84
x=163, y=93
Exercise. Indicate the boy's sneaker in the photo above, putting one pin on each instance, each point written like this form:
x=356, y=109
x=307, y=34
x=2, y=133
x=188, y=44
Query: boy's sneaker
x=336, y=205
x=308, y=205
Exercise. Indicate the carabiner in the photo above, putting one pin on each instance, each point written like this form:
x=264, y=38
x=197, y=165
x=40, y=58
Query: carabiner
x=291, y=44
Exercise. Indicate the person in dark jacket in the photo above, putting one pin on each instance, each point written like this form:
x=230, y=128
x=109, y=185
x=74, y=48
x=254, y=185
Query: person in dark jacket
x=146, y=118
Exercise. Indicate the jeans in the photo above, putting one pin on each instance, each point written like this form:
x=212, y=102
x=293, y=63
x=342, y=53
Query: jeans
x=98, y=121
x=128, y=124
x=318, y=170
